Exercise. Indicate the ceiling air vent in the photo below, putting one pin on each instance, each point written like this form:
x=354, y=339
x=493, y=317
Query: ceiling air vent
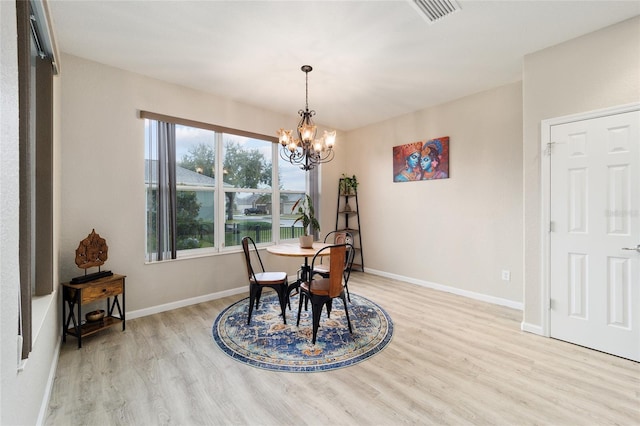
x=434, y=10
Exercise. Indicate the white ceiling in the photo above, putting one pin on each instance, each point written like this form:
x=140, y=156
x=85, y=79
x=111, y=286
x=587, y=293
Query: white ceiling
x=372, y=60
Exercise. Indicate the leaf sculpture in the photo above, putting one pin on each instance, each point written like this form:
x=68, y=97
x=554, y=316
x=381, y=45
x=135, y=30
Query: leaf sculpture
x=92, y=251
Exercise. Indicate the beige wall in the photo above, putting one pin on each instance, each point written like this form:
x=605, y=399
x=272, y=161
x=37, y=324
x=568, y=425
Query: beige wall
x=103, y=179
x=598, y=70
x=459, y=232
x=22, y=392
x=473, y=219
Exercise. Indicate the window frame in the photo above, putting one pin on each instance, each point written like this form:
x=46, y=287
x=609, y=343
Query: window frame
x=220, y=189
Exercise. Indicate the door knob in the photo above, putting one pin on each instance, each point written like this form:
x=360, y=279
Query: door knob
x=637, y=248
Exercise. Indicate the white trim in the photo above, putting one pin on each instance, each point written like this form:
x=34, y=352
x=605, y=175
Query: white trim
x=460, y=292
x=40, y=307
x=588, y=115
x=219, y=295
x=44, y=406
x=184, y=302
x=192, y=301
x=545, y=216
x=545, y=201
x=532, y=328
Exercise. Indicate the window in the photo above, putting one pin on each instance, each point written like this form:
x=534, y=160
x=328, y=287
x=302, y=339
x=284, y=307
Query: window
x=35, y=74
x=208, y=186
x=180, y=193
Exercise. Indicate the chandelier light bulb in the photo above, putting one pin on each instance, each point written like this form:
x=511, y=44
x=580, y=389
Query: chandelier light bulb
x=307, y=132
x=330, y=138
x=283, y=136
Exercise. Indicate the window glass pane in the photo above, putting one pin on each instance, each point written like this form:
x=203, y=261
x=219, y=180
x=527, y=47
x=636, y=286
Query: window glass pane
x=293, y=184
x=291, y=177
x=289, y=228
x=247, y=213
x=152, y=217
x=151, y=184
x=247, y=162
x=194, y=218
x=195, y=151
x=195, y=183
x=247, y=165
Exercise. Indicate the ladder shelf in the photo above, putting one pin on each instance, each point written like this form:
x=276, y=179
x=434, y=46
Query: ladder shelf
x=348, y=219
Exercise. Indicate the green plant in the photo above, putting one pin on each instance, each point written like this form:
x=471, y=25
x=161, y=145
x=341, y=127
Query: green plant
x=348, y=184
x=306, y=214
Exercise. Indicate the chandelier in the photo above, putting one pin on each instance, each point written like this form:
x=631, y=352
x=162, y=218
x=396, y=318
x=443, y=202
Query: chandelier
x=305, y=150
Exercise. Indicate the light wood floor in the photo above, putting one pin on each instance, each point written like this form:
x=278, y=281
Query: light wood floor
x=452, y=361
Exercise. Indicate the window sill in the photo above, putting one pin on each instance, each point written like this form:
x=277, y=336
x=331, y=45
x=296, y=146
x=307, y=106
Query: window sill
x=40, y=306
x=196, y=254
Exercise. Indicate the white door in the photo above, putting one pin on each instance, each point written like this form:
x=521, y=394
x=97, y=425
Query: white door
x=595, y=220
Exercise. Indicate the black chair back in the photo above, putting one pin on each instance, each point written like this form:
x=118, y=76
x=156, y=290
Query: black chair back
x=247, y=256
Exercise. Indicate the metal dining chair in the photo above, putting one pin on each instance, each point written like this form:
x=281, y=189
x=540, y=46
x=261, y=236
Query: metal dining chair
x=258, y=280
x=339, y=237
x=321, y=291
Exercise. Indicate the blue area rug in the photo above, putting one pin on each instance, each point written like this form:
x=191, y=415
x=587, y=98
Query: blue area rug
x=268, y=343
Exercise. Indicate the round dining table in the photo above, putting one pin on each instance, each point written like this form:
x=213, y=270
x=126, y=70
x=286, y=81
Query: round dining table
x=294, y=250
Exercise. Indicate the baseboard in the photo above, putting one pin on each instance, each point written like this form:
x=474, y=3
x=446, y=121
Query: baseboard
x=44, y=407
x=435, y=286
x=532, y=328
x=213, y=296
x=193, y=301
x=185, y=302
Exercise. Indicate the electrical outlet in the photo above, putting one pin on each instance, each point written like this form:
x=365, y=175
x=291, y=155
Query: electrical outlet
x=506, y=275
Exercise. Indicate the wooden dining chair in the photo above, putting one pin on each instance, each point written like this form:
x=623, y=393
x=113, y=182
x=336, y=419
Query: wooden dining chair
x=258, y=280
x=321, y=291
x=339, y=237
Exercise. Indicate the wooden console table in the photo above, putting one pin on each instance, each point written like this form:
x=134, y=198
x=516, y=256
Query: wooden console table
x=74, y=296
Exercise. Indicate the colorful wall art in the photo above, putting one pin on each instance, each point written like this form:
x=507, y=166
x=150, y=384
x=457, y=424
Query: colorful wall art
x=421, y=160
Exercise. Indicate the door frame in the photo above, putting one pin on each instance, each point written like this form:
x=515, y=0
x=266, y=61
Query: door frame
x=545, y=198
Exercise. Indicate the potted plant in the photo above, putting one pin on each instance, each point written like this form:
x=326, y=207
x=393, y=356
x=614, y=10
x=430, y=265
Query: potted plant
x=348, y=184
x=304, y=208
